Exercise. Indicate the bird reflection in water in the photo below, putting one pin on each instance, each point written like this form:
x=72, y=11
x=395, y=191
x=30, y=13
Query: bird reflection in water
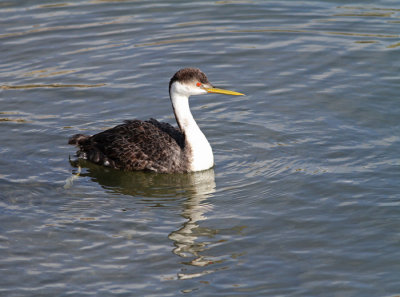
x=186, y=238
x=159, y=190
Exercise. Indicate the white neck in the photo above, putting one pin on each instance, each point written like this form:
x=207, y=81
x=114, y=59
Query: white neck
x=201, y=157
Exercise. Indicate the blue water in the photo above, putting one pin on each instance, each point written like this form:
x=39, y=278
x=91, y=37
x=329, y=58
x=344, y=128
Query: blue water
x=304, y=199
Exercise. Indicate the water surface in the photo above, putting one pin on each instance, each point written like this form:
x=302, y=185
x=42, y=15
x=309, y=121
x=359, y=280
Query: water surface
x=303, y=200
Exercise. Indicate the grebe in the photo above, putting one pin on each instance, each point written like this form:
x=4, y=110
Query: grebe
x=151, y=145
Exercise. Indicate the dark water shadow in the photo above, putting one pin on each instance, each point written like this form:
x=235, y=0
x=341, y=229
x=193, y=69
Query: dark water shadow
x=145, y=184
x=190, y=240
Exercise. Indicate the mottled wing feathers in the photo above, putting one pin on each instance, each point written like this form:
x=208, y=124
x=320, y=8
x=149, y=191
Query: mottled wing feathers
x=170, y=130
x=135, y=145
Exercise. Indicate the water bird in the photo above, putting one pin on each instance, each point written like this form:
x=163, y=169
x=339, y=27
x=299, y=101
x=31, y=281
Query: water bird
x=153, y=145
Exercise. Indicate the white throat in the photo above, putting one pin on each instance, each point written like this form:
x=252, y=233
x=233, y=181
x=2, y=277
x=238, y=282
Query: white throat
x=201, y=157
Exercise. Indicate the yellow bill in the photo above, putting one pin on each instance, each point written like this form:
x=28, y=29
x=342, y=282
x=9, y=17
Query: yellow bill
x=222, y=91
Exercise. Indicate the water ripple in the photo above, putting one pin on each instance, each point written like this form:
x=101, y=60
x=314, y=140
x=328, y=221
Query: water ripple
x=305, y=188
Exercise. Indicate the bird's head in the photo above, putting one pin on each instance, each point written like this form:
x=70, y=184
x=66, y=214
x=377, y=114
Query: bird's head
x=191, y=81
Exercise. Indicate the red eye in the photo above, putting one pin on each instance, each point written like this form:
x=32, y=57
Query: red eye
x=198, y=84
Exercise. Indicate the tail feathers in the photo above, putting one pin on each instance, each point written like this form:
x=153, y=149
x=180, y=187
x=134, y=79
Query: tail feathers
x=89, y=151
x=78, y=139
